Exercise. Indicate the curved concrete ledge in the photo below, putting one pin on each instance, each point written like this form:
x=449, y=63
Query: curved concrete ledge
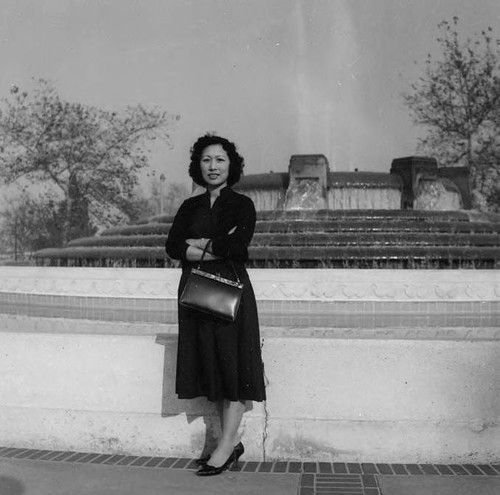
x=163, y=332
x=402, y=368
x=276, y=284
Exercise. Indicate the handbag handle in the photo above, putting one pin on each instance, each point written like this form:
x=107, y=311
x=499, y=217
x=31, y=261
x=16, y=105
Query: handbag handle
x=230, y=262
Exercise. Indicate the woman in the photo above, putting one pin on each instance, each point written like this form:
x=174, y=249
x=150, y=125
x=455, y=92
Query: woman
x=218, y=359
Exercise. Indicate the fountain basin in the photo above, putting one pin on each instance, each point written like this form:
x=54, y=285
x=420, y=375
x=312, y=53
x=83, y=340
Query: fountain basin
x=363, y=365
x=313, y=218
x=314, y=239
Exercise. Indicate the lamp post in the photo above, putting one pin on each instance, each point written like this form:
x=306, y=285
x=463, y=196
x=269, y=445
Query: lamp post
x=15, y=238
x=162, y=181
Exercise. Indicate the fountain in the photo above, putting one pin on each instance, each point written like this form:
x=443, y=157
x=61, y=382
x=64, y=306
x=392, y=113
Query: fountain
x=419, y=348
x=310, y=217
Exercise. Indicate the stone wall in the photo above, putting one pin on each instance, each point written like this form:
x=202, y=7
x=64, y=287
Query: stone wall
x=362, y=365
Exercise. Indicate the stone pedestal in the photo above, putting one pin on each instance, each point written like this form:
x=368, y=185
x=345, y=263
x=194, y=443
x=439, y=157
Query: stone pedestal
x=460, y=177
x=307, y=189
x=408, y=168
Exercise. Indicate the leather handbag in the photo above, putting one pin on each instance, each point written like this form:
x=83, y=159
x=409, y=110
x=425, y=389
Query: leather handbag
x=212, y=294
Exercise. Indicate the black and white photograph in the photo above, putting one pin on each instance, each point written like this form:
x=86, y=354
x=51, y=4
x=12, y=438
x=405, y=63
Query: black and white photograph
x=249, y=247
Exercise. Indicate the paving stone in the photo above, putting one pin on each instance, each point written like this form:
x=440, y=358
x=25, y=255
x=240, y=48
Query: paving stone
x=325, y=467
x=114, y=459
x=37, y=454
x=265, y=467
x=429, y=469
x=369, y=480
x=88, y=458
x=473, y=470
x=181, y=463
x=443, y=469
x=51, y=455
x=458, y=469
x=280, y=467
x=307, y=480
x=250, y=466
x=294, y=467
x=369, y=468
x=310, y=467
x=399, y=469
x=384, y=469
x=339, y=467
x=75, y=457
x=354, y=468
x=488, y=470
x=154, y=462
x=15, y=452
x=167, y=462
x=24, y=454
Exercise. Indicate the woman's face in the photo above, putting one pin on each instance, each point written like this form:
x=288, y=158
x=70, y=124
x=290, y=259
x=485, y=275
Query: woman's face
x=214, y=166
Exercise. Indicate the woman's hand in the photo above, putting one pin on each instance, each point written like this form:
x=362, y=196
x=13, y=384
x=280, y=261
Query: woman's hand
x=210, y=257
x=194, y=253
x=201, y=242
x=198, y=243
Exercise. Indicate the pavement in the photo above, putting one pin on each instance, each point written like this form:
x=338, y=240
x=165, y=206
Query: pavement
x=43, y=472
x=27, y=477
x=441, y=485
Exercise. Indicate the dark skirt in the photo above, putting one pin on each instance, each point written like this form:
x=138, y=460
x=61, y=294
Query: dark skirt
x=218, y=359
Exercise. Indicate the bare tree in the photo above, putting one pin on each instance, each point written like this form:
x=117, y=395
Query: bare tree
x=457, y=100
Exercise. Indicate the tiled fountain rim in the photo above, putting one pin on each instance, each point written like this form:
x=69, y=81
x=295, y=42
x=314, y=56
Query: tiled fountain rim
x=269, y=284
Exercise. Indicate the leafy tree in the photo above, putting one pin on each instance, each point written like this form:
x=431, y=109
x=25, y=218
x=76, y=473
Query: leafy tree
x=458, y=101
x=138, y=208
x=30, y=223
x=91, y=155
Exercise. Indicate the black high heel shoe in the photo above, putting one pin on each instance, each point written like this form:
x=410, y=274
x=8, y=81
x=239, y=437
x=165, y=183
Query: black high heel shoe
x=202, y=460
x=208, y=470
x=238, y=450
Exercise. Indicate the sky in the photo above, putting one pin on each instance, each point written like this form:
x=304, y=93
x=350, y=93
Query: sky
x=278, y=77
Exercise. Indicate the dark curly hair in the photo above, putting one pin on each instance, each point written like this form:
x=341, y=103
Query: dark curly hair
x=236, y=162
